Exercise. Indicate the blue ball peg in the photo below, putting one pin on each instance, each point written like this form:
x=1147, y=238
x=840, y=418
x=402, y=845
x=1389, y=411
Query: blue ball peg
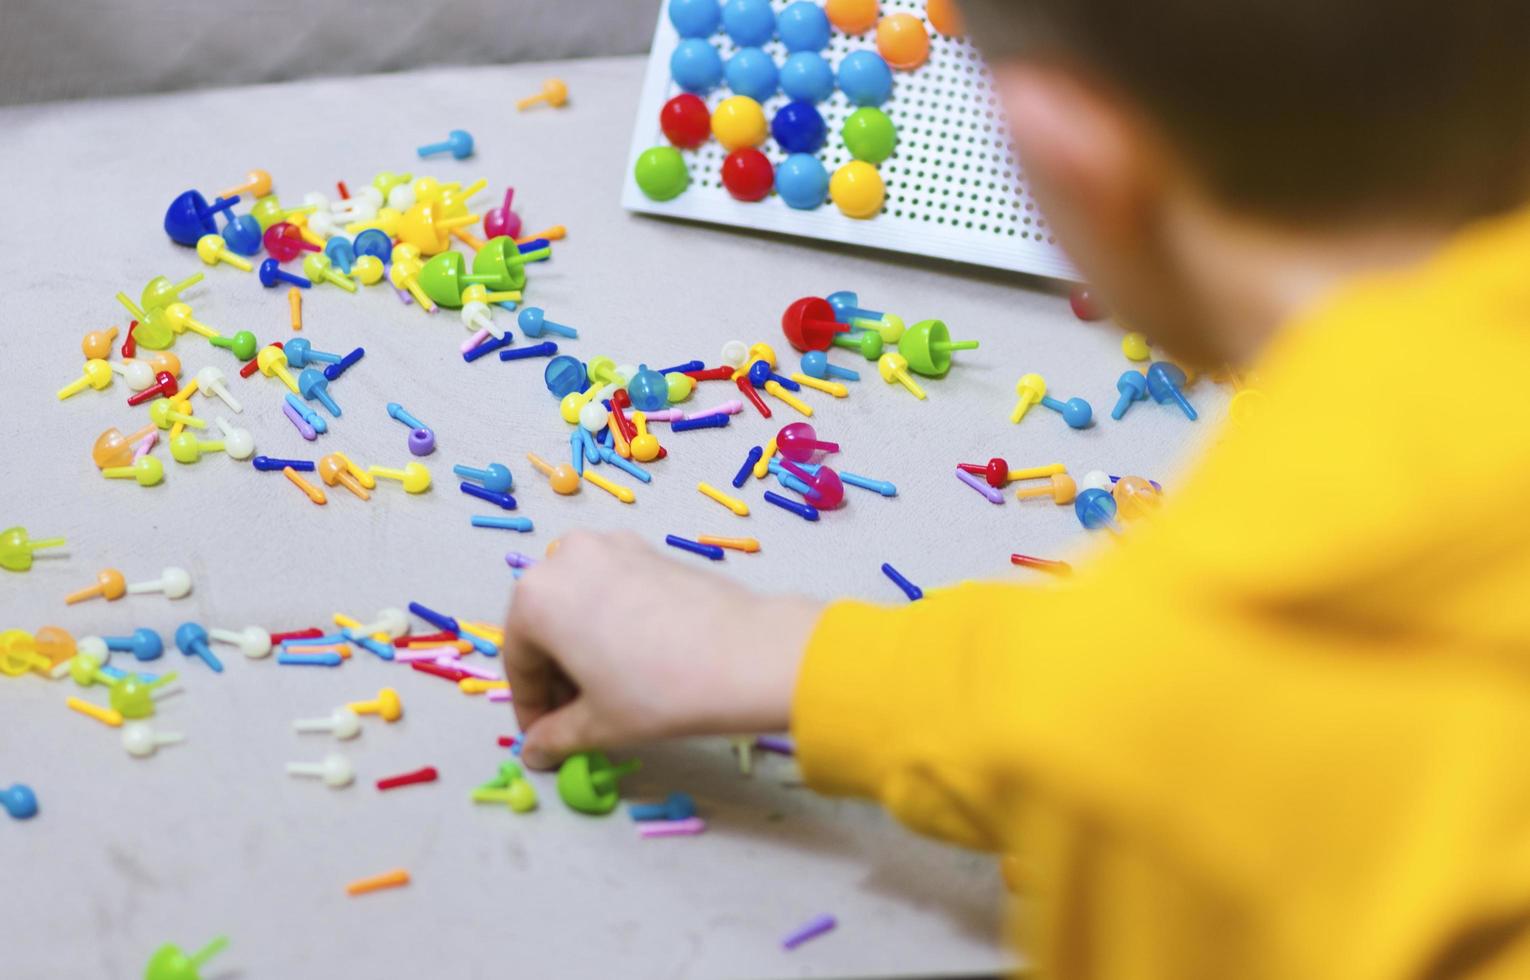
x=799, y=127
x=760, y=372
x=1164, y=381
x=682, y=368
x=695, y=18
x=142, y=643
x=696, y=66
x=806, y=75
x=459, y=143
x=375, y=243
x=242, y=233
x=191, y=639
x=495, y=477
x=19, y=801
x=1096, y=509
x=1075, y=411
x=300, y=354
x=803, y=26
x=189, y=217
x=815, y=364
x=271, y=275
x=1133, y=388
x=315, y=388
x=649, y=390
x=750, y=23
x=864, y=78
x=847, y=307
x=563, y=376
x=676, y=806
x=534, y=324
x=751, y=72
x=341, y=252
x=802, y=181
x=501, y=500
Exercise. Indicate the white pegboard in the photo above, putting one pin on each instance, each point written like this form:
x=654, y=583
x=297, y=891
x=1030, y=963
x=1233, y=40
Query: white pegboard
x=954, y=187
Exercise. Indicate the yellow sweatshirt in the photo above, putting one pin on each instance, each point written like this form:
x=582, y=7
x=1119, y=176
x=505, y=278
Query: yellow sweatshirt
x=1282, y=730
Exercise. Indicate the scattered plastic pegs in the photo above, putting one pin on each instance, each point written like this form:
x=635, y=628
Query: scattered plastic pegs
x=893, y=368
x=386, y=706
x=414, y=476
x=1096, y=509
x=252, y=641
x=147, y=470
x=342, y=723
x=271, y=274
x=495, y=477
x=1059, y=486
x=562, y=477
x=189, y=216
x=459, y=143
x=927, y=347
x=16, y=548
x=587, y=782
x=335, y=770
x=212, y=249
x=332, y=471
x=809, y=324
x=1075, y=411
x=1164, y=381
x=141, y=740
x=798, y=441
x=97, y=375
x=318, y=268
x=191, y=639
x=170, y=963
x=554, y=93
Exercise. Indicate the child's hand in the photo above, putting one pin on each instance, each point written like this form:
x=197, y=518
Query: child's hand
x=607, y=643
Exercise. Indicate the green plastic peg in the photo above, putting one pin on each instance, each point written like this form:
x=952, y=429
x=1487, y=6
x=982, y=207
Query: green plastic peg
x=242, y=344
x=268, y=210
x=869, y=135
x=867, y=342
x=16, y=548
x=660, y=173
x=927, y=347
x=602, y=372
x=587, y=782
x=160, y=292
x=445, y=275
x=169, y=962
x=133, y=697
x=502, y=259
x=152, y=334
x=509, y=787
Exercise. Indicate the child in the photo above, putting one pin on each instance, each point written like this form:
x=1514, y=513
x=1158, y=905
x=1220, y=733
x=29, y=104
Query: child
x=1280, y=730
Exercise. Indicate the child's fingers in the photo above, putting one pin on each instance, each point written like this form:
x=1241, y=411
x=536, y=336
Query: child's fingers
x=557, y=734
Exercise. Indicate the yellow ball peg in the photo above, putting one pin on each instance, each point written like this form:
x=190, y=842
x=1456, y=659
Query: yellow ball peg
x=478, y=293
x=732, y=503
x=187, y=448
x=645, y=445
x=273, y=363
x=453, y=202
x=1031, y=388
x=405, y=275
x=774, y=387
x=750, y=545
x=147, y=470
x=18, y=654
x=212, y=249
x=178, y=315
x=414, y=476
x=554, y=93
x=368, y=270
x=616, y=490
x=98, y=374
x=1135, y=346
x=827, y=387
x=318, y=267
x=164, y=413
x=573, y=403
x=894, y=367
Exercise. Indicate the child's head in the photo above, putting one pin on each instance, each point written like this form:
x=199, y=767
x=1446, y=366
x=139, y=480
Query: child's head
x=1141, y=125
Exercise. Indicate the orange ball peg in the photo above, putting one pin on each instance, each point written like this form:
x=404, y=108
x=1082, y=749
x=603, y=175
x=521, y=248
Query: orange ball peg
x=852, y=16
x=945, y=17
x=902, y=41
x=97, y=344
x=110, y=585
x=554, y=93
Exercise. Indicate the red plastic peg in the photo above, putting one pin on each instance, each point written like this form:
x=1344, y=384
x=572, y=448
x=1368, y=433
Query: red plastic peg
x=809, y=324
x=129, y=342
x=253, y=364
x=754, y=398
x=164, y=386
x=723, y=373
x=303, y=634
x=425, y=667
x=1043, y=564
x=427, y=774
x=285, y=242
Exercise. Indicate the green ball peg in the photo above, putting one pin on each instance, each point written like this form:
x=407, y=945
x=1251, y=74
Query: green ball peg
x=927, y=347
x=169, y=962
x=85, y=670
x=16, y=548
x=267, y=211
x=868, y=342
x=500, y=264
x=242, y=344
x=869, y=135
x=161, y=292
x=587, y=782
x=602, y=371
x=445, y=275
x=133, y=697
x=660, y=173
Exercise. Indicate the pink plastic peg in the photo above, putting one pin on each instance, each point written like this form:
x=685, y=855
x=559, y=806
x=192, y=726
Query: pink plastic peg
x=501, y=220
x=798, y=441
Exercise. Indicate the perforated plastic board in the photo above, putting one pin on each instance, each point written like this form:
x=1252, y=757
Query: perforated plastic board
x=954, y=188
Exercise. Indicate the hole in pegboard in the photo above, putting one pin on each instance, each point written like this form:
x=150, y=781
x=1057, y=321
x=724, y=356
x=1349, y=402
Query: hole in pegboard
x=953, y=168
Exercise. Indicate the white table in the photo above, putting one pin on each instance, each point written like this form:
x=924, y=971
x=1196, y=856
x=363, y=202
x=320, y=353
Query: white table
x=210, y=837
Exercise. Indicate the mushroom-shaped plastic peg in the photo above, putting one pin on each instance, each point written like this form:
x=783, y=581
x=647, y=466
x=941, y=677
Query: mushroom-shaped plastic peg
x=237, y=443
x=138, y=375
x=554, y=92
x=164, y=386
x=1031, y=388
x=562, y=477
x=318, y=268
x=273, y=363
x=676, y=806
x=1132, y=385
x=97, y=375
x=98, y=343
x=16, y=547
x=893, y=368
x=1164, y=381
x=141, y=740
x=494, y=476
x=242, y=344
x=170, y=963
x=191, y=639
x=927, y=346
x=414, y=476
x=458, y=142
x=143, y=643
x=285, y=241
x=825, y=490
x=501, y=220
x=809, y=324
x=300, y=354
x=165, y=413
x=210, y=382
x=587, y=782
x=257, y=183
x=212, y=248
x=314, y=386
x=174, y=582
x=110, y=585
x=272, y=275
x=1059, y=486
x=132, y=696
x=342, y=723
x=189, y=216
x=333, y=471
x=252, y=641
x=386, y=706
x=147, y=470
x=335, y=769
x=534, y=323
x=867, y=343
x=19, y=801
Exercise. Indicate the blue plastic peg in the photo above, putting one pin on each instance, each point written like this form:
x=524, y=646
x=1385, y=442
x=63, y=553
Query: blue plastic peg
x=627, y=466
x=649, y=390
x=307, y=414
x=805, y=511
x=676, y=806
x=815, y=364
x=300, y=354
x=1075, y=411
x=1164, y=381
x=189, y=216
x=1133, y=387
x=142, y=643
x=743, y=474
x=847, y=307
x=402, y=414
x=495, y=477
x=760, y=372
x=272, y=274
x=545, y=349
x=502, y=500
x=534, y=323
x=315, y=387
x=374, y=242
x=459, y=143
x=341, y=253
x=191, y=639
x=1095, y=509
x=333, y=371
x=19, y=801
x=521, y=524
x=718, y=420
x=270, y=463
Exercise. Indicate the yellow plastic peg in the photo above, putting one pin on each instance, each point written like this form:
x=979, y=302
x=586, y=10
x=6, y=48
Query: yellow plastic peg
x=894, y=367
x=332, y=471
x=616, y=490
x=147, y=470
x=388, y=221
x=554, y=93
x=362, y=476
x=212, y=249
x=273, y=363
x=1135, y=346
x=1031, y=388
x=645, y=445
x=368, y=270
x=827, y=387
x=386, y=706
x=318, y=267
x=422, y=227
x=98, y=374
x=414, y=476
x=405, y=275
x=178, y=315
x=479, y=293
x=732, y=503
x=774, y=387
x=164, y=413
x=160, y=291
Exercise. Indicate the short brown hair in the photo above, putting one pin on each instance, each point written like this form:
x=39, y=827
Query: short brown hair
x=1309, y=109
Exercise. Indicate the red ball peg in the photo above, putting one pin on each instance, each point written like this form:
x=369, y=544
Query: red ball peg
x=285, y=242
x=1086, y=305
x=748, y=175
x=809, y=324
x=164, y=386
x=686, y=121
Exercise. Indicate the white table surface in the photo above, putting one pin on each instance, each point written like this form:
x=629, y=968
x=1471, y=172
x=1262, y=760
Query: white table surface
x=210, y=837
